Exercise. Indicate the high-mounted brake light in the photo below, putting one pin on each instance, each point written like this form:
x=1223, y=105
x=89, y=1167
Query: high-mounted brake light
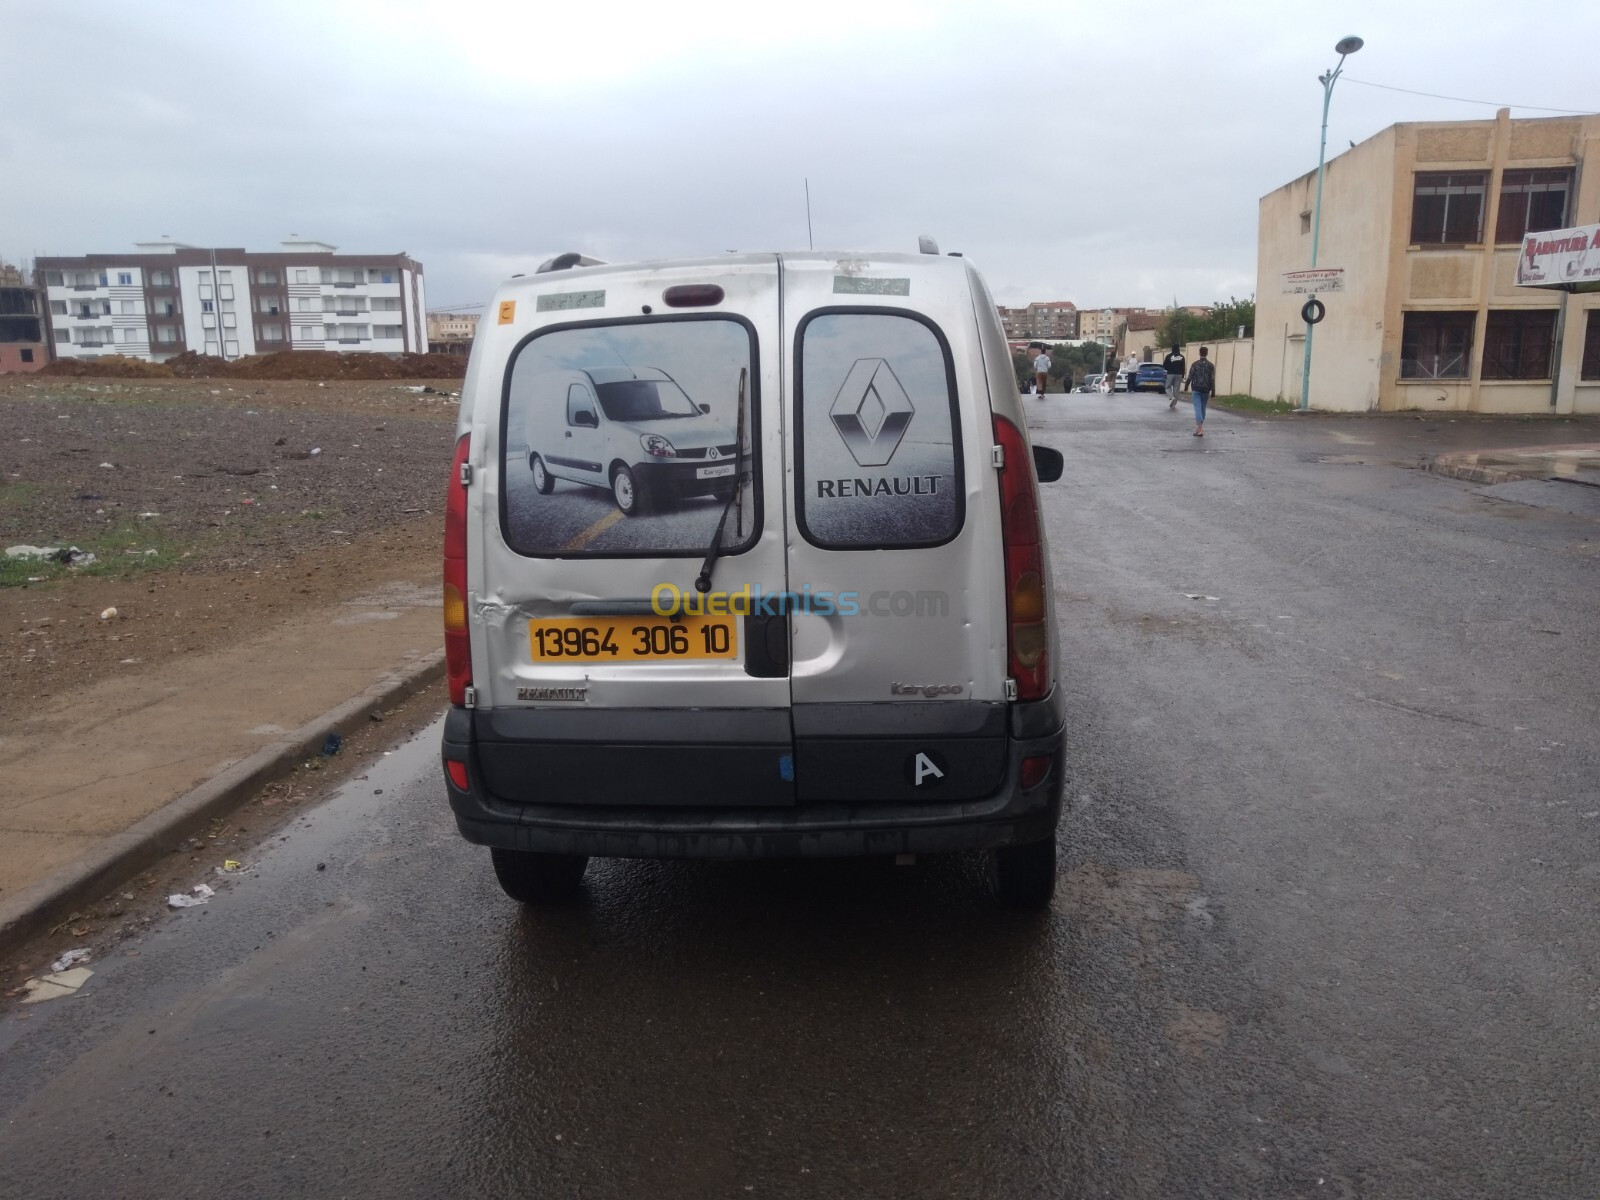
x=1027, y=601
x=457, y=646
x=691, y=295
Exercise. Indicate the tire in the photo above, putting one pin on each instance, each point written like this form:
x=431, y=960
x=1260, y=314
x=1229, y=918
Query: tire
x=1024, y=876
x=531, y=878
x=543, y=482
x=629, y=494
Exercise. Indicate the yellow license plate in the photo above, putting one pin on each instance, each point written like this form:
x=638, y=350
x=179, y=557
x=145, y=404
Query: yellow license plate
x=632, y=639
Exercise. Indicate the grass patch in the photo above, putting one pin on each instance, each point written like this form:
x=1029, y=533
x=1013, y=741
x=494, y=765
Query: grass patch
x=1251, y=404
x=14, y=497
x=120, y=552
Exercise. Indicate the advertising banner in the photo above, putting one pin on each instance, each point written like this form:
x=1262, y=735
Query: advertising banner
x=1317, y=279
x=1568, y=259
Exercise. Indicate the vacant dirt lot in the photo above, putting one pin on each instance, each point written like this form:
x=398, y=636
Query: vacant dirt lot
x=212, y=507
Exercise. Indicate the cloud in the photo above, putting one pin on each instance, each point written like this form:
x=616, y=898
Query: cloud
x=1099, y=154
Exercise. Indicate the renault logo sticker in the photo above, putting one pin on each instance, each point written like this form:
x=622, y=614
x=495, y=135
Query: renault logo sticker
x=871, y=412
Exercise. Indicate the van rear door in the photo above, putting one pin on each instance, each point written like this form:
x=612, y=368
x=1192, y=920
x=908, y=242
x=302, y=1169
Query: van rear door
x=586, y=691
x=898, y=680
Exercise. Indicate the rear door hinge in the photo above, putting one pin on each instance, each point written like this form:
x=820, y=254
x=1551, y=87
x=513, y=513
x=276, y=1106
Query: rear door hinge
x=1011, y=690
x=998, y=455
x=466, y=474
x=469, y=698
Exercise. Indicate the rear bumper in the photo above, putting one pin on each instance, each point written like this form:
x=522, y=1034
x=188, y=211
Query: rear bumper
x=1008, y=815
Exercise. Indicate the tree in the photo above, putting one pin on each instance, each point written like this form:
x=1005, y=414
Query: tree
x=1067, y=363
x=1223, y=321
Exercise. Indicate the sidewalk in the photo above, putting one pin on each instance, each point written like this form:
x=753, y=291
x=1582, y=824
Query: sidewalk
x=1578, y=462
x=91, y=763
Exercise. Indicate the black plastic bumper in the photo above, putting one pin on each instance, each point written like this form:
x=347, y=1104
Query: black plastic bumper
x=835, y=828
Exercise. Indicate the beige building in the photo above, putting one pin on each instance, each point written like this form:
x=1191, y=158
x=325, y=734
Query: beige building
x=1427, y=221
x=452, y=327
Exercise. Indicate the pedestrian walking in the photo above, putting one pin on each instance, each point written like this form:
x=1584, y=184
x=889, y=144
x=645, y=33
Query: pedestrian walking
x=1202, y=381
x=1175, y=365
x=1041, y=370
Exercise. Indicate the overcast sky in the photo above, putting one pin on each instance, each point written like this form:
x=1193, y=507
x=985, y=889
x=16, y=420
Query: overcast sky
x=1103, y=154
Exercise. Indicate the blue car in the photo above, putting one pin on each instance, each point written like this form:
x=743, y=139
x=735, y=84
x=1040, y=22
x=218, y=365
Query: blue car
x=1151, y=377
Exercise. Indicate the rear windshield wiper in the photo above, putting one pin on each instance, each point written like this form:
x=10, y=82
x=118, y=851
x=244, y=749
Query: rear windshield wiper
x=703, y=583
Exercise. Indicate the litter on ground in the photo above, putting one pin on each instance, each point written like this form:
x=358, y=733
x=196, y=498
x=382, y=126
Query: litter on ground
x=56, y=985
x=71, y=959
x=197, y=895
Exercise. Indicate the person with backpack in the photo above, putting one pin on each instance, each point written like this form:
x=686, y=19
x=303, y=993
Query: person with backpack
x=1202, y=381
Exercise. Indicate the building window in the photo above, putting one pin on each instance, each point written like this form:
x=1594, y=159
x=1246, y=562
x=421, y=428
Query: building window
x=272, y=333
x=1436, y=345
x=1517, y=342
x=63, y=335
x=166, y=333
x=103, y=280
x=1447, y=208
x=162, y=279
x=1591, y=347
x=58, y=307
x=124, y=279
x=207, y=306
x=268, y=277
x=233, y=349
x=52, y=279
x=1531, y=202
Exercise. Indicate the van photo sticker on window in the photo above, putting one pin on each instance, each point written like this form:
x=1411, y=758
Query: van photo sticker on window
x=625, y=439
x=880, y=460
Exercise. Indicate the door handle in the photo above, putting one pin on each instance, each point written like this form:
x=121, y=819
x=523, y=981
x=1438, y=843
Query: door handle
x=568, y=433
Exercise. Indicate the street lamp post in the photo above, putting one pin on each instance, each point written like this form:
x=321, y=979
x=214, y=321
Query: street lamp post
x=1344, y=47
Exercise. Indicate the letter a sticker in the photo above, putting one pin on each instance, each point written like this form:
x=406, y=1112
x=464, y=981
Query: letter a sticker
x=925, y=767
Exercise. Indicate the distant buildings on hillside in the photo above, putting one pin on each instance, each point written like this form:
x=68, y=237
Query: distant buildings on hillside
x=163, y=299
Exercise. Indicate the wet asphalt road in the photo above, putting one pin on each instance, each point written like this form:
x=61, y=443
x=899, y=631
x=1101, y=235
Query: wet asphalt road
x=1326, y=923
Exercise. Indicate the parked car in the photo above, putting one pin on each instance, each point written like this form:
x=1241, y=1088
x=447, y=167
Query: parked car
x=1091, y=383
x=631, y=431
x=854, y=654
x=1123, y=378
x=1150, y=377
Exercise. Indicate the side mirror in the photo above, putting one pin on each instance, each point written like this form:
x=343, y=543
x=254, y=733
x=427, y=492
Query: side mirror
x=705, y=408
x=586, y=419
x=1048, y=464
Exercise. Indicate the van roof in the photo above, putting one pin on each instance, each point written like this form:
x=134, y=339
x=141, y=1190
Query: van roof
x=847, y=261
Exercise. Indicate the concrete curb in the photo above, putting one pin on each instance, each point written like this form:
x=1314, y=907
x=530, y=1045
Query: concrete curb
x=1474, y=474
x=123, y=855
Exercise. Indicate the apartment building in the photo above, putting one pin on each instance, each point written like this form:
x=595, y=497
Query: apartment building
x=451, y=333
x=1427, y=220
x=22, y=344
x=1044, y=320
x=168, y=297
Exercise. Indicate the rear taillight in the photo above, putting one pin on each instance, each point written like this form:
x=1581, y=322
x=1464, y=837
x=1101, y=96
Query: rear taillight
x=457, y=647
x=1027, y=604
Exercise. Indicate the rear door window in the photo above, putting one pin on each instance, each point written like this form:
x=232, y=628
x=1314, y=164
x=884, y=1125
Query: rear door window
x=664, y=402
x=878, y=459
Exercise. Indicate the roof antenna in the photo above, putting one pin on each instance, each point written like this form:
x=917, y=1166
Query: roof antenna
x=810, y=241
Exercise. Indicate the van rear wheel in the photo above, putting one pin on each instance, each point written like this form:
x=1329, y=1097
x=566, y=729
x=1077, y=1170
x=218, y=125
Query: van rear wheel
x=1024, y=876
x=629, y=493
x=531, y=878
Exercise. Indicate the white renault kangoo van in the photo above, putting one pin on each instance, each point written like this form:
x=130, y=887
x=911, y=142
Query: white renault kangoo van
x=744, y=558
